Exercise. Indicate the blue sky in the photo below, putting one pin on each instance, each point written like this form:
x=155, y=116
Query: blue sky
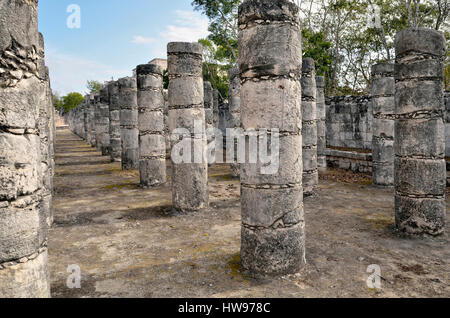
x=114, y=37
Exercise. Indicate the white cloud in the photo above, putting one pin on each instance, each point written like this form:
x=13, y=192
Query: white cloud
x=189, y=27
x=139, y=39
x=70, y=74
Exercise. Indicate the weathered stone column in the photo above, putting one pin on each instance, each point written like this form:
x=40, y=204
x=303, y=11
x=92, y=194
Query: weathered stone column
x=420, y=174
x=44, y=135
x=103, y=141
x=23, y=228
x=270, y=61
x=209, y=104
x=309, y=132
x=92, y=123
x=234, y=102
x=166, y=122
x=383, y=109
x=321, y=123
x=129, y=132
x=115, y=146
x=152, y=143
x=190, y=178
x=216, y=108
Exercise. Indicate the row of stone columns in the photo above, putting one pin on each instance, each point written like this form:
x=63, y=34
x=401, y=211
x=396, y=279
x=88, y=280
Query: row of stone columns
x=26, y=131
x=152, y=143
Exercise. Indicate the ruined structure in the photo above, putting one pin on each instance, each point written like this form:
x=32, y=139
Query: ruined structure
x=309, y=127
x=103, y=122
x=209, y=104
x=152, y=143
x=270, y=61
x=383, y=108
x=186, y=102
x=216, y=108
x=23, y=220
x=420, y=172
x=115, y=146
x=129, y=132
x=234, y=102
x=321, y=123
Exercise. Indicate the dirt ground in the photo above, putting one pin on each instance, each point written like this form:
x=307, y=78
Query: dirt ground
x=128, y=245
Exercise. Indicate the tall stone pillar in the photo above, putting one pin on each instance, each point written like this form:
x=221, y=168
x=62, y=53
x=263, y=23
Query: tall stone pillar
x=234, y=102
x=270, y=61
x=115, y=146
x=186, y=100
x=166, y=122
x=104, y=121
x=321, y=123
x=420, y=172
x=23, y=226
x=129, y=132
x=309, y=132
x=152, y=143
x=92, y=124
x=216, y=108
x=209, y=104
x=44, y=135
x=383, y=109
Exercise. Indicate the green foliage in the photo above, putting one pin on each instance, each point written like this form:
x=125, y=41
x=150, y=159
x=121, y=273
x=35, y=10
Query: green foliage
x=166, y=79
x=57, y=102
x=215, y=71
x=71, y=101
x=94, y=86
x=315, y=47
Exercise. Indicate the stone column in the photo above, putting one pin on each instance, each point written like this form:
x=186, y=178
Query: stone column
x=23, y=226
x=152, y=143
x=129, y=132
x=189, y=179
x=103, y=123
x=44, y=136
x=92, y=124
x=270, y=61
x=234, y=104
x=115, y=147
x=216, y=108
x=321, y=123
x=420, y=174
x=309, y=131
x=383, y=109
x=166, y=122
x=209, y=104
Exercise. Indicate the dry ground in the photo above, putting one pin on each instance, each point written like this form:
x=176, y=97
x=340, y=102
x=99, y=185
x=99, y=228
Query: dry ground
x=128, y=245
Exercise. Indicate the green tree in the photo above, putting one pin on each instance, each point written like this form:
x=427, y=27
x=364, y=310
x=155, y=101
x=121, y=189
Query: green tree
x=94, y=86
x=71, y=101
x=315, y=47
x=57, y=102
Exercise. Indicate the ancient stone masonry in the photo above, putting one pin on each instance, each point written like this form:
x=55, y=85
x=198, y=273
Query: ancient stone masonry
x=103, y=138
x=270, y=61
x=166, y=122
x=216, y=108
x=115, y=147
x=209, y=104
x=23, y=226
x=152, y=143
x=45, y=132
x=234, y=102
x=447, y=124
x=91, y=115
x=420, y=172
x=349, y=122
x=383, y=108
x=186, y=100
x=321, y=123
x=309, y=127
x=129, y=131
